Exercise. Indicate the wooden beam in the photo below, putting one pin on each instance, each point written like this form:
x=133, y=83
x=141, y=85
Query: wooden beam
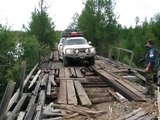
x=82, y=94
x=22, y=77
x=72, y=99
x=62, y=96
x=15, y=96
x=34, y=79
x=6, y=97
x=17, y=108
x=21, y=115
x=78, y=72
x=30, y=112
x=120, y=86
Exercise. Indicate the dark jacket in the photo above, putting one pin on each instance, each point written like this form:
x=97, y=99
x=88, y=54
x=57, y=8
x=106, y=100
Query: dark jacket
x=151, y=56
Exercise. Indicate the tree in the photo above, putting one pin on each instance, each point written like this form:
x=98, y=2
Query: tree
x=99, y=23
x=41, y=25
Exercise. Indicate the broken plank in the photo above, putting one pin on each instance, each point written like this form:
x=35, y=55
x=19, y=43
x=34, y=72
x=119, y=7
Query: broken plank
x=72, y=99
x=73, y=73
x=62, y=96
x=61, y=72
x=49, y=88
x=17, y=108
x=21, y=115
x=78, y=72
x=51, y=78
x=82, y=94
x=67, y=74
x=34, y=79
x=30, y=112
x=121, y=88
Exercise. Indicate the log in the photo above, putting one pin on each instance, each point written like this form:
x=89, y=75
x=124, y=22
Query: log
x=30, y=112
x=73, y=73
x=22, y=77
x=82, y=94
x=34, y=79
x=21, y=116
x=49, y=88
x=62, y=96
x=115, y=95
x=72, y=99
x=15, y=96
x=44, y=81
x=120, y=86
x=78, y=72
x=6, y=97
x=51, y=78
x=17, y=108
x=35, y=94
x=41, y=101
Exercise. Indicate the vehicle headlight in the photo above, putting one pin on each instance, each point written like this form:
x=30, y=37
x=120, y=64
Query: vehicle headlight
x=86, y=50
x=69, y=51
x=92, y=50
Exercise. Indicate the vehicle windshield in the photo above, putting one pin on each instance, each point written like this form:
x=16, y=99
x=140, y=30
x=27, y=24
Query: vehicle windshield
x=76, y=42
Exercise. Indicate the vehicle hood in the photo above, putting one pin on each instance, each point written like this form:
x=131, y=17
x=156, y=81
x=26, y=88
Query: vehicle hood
x=77, y=46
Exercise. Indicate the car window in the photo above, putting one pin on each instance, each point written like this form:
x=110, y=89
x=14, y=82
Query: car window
x=76, y=42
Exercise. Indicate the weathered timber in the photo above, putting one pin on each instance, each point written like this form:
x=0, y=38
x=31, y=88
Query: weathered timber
x=101, y=100
x=51, y=78
x=158, y=101
x=95, y=84
x=126, y=90
x=73, y=73
x=30, y=112
x=17, y=108
x=55, y=118
x=21, y=115
x=6, y=97
x=61, y=72
x=34, y=94
x=72, y=99
x=82, y=94
x=78, y=72
x=41, y=101
x=34, y=79
x=44, y=81
x=62, y=96
x=15, y=96
x=67, y=74
x=49, y=88
x=130, y=87
x=130, y=114
x=114, y=95
x=51, y=56
x=22, y=77
x=138, y=115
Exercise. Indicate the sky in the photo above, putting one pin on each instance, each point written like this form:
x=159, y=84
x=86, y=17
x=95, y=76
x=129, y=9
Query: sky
x=15, y=13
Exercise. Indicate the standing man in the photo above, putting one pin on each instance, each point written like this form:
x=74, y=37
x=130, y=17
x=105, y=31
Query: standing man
x=150, y=60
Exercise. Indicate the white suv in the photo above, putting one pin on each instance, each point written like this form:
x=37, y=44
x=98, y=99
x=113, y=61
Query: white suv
x=76, y=48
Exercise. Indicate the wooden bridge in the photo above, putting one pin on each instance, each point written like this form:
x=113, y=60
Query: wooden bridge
x=106, y=91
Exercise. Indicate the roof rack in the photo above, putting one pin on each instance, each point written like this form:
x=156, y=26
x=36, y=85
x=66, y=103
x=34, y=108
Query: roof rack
x=72, y=33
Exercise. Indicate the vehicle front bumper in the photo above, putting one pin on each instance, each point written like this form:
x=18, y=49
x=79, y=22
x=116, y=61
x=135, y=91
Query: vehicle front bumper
x=80, y=55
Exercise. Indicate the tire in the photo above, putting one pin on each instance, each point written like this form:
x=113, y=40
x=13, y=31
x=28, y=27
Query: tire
x=65, y=61
x=92, y=61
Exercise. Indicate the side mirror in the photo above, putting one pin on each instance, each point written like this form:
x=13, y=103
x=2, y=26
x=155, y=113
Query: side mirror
x=89, y=42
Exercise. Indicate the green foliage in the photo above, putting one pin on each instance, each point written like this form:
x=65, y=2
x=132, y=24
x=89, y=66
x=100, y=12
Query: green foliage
x=99, y=24
x=41, y=26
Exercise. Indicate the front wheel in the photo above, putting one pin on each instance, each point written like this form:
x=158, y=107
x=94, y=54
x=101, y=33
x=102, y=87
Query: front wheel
x=65, y=61
x=92, y=61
